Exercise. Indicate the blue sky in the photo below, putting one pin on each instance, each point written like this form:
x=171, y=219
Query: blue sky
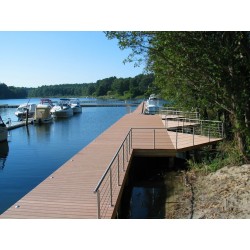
x=47, y=54
x=35, y=58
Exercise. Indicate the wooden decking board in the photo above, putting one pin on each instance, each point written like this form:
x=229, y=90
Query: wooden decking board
x=68, y=192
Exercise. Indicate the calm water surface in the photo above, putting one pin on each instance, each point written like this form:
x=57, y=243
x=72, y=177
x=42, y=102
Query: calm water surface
x=34, y=152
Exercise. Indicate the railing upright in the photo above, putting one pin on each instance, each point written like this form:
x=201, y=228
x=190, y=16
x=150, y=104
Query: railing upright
x=209, y=132
x=193, y=134
x=154, y=138
x=98, y=205
x=201, y=127
x=176, y=138
x=118, y=169
x=123, y=158
x=130, y=141
x=111, y=189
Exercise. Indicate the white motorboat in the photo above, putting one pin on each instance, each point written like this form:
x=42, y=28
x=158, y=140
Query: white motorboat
x=152, y=105
x=62, y=109
x=42, y=113
x=75, y=105
x=3, y=131
x=22, y=110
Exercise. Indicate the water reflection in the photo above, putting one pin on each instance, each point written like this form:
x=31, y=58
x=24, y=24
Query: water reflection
x=43, y=131
x=4, y=150
x=151, y=189
x=146, y=203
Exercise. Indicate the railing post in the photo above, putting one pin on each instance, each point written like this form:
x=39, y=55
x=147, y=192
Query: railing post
x=123, y=157
x=131, y=139
x=127, y=146
x=176, y=137
x=154, y=138
x=222, y=130
x=209, y=132
x=118, y=169
x=111, y=191
x=98, y=205
x=193, y=134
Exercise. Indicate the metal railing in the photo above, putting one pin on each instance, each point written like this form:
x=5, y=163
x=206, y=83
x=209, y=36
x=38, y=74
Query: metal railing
x=108, y=185
x=107, y=189
x=171, y=112
x=208, y=128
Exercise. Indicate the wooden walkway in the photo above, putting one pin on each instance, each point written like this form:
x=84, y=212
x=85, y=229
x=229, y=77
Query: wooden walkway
x=68, y=192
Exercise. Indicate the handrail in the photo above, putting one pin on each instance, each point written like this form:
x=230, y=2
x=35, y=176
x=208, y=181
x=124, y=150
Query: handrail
x=217, y=127
x=110, y=164
x=109, y=170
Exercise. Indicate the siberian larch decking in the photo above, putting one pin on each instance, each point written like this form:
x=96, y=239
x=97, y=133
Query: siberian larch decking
x=68, y=192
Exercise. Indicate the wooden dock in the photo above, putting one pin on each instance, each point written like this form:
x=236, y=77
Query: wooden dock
x=69, y=191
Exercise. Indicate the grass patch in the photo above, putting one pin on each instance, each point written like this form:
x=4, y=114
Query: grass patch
x=226, y=154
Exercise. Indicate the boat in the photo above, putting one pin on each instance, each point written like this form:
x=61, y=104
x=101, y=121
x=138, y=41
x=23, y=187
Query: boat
x=75, y=105
x=22, y=110
x=152, y=105
x=43, y=112
x=47, y=101
x=62, y=109
x=3, y=131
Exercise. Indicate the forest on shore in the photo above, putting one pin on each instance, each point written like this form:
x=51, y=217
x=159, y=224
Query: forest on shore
x=139, y=86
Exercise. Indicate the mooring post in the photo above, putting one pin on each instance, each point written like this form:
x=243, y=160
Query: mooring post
x=27, y=116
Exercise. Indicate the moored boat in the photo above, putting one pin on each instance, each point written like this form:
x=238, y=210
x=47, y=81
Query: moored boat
x=62, y=109
x=43, y=114
x=75, y=105
x=25, y=108
x=152, y=105
x=3, y=131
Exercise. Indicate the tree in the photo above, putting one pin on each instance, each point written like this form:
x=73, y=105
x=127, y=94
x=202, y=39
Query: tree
x=209, y=71
x=12, y=92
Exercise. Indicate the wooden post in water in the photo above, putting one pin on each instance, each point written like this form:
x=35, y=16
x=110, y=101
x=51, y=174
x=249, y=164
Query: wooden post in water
x=27, y=117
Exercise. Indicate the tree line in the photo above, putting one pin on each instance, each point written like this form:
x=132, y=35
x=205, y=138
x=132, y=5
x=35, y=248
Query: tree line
x=127, y=88
x=206, y=71
x=12, y=92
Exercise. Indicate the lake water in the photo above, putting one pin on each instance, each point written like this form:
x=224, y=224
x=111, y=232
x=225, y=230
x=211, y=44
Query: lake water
x=36, y=151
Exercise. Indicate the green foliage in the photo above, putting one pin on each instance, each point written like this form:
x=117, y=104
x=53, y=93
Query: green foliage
x=12, y=92
x=227, y=154
x=112, y=87
x=124, y=88
x=206, y=71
